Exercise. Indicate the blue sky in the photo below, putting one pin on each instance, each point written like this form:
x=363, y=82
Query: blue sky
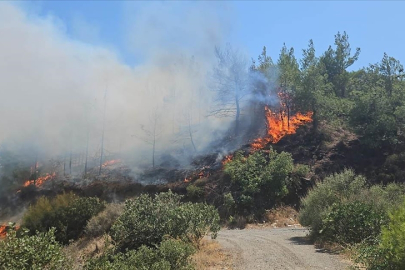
x=374, y=26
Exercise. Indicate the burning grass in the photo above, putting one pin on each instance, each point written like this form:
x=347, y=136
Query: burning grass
x=40, y=180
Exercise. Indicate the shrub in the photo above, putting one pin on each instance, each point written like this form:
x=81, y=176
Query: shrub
x=229, y=203
x=170, y=255
x=194, y=191
x=67, y=213
x=146, y=220
x=102, y=222
x=236, y=222
x=352, y=222
x=393, y=238
x=36, y=216
x=40, y=251
x=259, y=183
x=334, y=189
x=371, y=255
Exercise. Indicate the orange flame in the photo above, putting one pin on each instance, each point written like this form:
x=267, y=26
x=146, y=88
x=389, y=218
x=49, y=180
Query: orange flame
x=40, y=180
x=110, y=162
x=5, y=228
x=227, y=159
x=3, y=231
x=279, y=125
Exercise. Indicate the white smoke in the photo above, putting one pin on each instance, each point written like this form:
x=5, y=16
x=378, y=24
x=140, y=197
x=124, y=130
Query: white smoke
x=52, y=87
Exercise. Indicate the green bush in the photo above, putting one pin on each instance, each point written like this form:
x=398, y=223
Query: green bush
x=37, y=214
x=387, y=252
x=169, y=255
x=334, y=189
x=146, y=220
x=40, y=251
x=371, y=255
x=352, y=222
x=67, y=213
x=194, y=191
x=102, y=222
x=260, y=183
x=393, y=238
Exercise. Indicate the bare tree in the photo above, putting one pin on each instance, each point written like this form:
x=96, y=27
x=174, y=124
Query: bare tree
x=103, y=131
x=187, y=130
x=152, y=132
x=230, y=82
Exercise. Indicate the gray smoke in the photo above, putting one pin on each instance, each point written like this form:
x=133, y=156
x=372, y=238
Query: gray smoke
x=54, y=89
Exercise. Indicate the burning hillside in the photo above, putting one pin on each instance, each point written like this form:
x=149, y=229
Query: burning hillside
x=279, y=125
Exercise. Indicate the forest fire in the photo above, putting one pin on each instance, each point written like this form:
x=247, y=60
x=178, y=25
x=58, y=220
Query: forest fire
x=5, y=228
x=40, y=180
x=110, y=162
x=3, y=231
x=279, y=125
x=227, y=159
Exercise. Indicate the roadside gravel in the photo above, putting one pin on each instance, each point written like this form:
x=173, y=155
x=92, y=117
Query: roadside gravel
x=280, y=248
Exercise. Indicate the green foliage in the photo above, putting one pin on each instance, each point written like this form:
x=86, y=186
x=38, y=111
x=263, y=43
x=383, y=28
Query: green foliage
x=67, y=213
x=102, y=222
x=40, y=251
x=392, y=169
x=352, y=222
x=336, y=62
x=146, y=220
x=379, y=104
x=393, y=238
x=194, y=191
x=343, y=209
x=334, y=189
x=169, y=255
x=387, y=252
x=260, y=183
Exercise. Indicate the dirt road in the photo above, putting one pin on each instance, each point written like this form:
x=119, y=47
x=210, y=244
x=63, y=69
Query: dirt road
x=282, y=248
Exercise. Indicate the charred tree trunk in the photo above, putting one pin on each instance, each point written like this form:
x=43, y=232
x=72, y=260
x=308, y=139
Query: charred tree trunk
x=35, y=169
x=154, y=144
x=191, y=137
x=87, y=152
x=70, y=163
x=237, y=115
x=102, y=134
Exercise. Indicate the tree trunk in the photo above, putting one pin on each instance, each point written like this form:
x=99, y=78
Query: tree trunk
x=102, y=135
x=87, y=153
x=70, y=163
x=153, y=153
x=237, y=115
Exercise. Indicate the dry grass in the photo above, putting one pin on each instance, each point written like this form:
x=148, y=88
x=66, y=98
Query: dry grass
x=212, y=256
x=282, y=216
x=84, y=248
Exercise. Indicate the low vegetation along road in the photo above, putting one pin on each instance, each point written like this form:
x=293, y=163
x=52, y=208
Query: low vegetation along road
x=282, y=248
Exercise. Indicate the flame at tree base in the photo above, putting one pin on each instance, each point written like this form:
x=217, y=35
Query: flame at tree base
x=279, y=125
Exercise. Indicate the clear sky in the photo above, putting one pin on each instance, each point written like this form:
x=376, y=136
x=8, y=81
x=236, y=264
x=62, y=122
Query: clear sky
x=374, y=26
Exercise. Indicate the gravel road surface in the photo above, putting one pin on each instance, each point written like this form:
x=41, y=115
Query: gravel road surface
x=281, y=248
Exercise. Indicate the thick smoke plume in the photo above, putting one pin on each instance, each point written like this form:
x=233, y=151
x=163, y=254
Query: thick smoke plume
x=59, y=94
